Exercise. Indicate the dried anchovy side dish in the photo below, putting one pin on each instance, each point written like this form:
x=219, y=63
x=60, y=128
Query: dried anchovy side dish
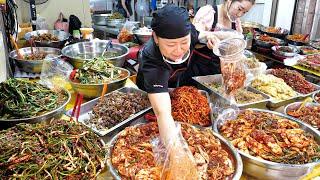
x=133, y=158
x=24, y=99
x=55, y=150
x=190, y=106
x=295, y=80
x=115, y=108
x=271, y=137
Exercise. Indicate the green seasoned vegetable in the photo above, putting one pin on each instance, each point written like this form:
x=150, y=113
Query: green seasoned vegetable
x=24, y=99
x=55, y=150
x=116, y=15
x=97, y=71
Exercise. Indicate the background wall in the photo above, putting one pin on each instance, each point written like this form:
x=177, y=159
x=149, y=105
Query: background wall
x=51, y=10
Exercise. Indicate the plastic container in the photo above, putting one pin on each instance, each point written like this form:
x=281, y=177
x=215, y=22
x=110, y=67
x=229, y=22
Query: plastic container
x=231, y=53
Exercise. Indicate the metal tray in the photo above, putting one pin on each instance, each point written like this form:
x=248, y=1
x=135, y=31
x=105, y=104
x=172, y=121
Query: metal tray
x=300, y=95
x=237, y=162
x=201, y=80
x=87, y=107
x=206, y=94
x=296, y=105
x=259, y=168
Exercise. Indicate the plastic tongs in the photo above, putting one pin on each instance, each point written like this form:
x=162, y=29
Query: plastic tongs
x=105, y=85
x=77, y=107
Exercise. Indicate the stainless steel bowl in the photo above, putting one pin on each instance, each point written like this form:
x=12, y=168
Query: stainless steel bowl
x=296, y=105
x=86, y=51
x=115, y=22
x=143, y=35
x=237, y=162
x=32, y=66
x=95, y=90
x=294, y=50
x=5, y=123
x=63, y=37
x=314, y=97
x=262, y=169
x=100, y=19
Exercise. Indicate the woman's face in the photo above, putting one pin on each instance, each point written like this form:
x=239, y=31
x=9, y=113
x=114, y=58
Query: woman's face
x=173, y=49
x=237, y=9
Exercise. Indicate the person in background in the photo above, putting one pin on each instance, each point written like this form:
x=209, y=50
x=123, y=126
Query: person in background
x=124, y=7
x=214, y=19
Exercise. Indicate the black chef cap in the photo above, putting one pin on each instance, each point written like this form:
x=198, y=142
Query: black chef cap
x=171, y=22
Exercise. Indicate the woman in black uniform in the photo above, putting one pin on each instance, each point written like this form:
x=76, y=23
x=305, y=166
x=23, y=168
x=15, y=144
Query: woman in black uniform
x=163, y=61
x=212, y=19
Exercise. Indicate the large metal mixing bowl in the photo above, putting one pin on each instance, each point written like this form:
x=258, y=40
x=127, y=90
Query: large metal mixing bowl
x=86, y=51
x=6, y=123
x=61, y=35
x=95, y=90
x=233, y=155
x=263, y=169
x=32, y=66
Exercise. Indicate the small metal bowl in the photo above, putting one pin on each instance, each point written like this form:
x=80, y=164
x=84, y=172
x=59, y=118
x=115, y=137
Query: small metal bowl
x=314, y=97
x=296, y=105
x=94, y=90
x=294, y=51
x=32, y=66
x=86, y=51
x=61, y=35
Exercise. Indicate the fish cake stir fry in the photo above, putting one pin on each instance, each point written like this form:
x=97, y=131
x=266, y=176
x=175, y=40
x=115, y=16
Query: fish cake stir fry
x=271, y=137
x=133, y=157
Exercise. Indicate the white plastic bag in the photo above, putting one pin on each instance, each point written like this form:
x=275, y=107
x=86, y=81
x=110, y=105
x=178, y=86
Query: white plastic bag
x=55, y=72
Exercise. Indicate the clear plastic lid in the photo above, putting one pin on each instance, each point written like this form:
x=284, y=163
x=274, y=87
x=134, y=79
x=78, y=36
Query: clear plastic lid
x=229, y=47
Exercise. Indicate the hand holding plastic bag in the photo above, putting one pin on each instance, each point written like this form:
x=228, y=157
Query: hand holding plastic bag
x=176, y=159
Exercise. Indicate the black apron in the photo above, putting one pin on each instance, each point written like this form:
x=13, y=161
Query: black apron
x=203, y=61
